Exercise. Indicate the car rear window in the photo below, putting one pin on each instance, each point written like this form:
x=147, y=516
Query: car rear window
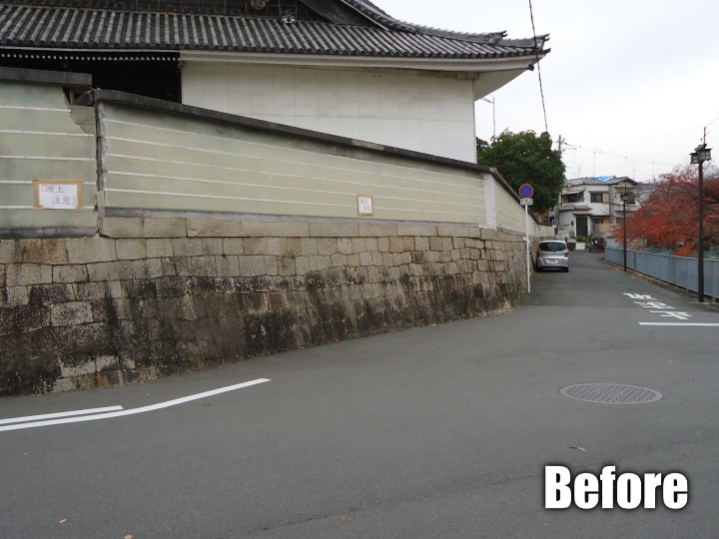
x=552, y=246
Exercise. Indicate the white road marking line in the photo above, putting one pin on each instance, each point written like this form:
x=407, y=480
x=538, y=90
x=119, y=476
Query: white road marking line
x=688, y=324
x=60, y=414
x=133, y=411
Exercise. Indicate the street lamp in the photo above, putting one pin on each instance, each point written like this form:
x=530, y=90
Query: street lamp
x=625, y=197
x=701, y=154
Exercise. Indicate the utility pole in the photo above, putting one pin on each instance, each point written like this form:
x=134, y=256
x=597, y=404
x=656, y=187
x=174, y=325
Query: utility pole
x=701, y=154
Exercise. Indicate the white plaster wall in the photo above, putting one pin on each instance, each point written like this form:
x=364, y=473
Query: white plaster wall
x=428, y=114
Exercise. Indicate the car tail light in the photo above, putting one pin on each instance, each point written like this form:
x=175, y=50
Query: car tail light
x=566, y=255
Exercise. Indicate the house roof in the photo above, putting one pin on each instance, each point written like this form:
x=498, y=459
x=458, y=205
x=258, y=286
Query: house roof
x=74, y=25
x=623, y=179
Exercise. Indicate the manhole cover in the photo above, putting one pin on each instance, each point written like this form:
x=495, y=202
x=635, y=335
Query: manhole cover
x=611, y=393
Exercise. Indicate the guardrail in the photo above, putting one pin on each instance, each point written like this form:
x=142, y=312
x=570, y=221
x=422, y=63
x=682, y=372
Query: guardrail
x=680, y=271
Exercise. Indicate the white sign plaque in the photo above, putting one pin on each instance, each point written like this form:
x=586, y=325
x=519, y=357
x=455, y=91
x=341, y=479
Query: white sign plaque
x=58, y=194
x=526, y=202
x=365, y=204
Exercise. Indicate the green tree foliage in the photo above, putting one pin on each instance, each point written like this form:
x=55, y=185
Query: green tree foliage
x=527, y=158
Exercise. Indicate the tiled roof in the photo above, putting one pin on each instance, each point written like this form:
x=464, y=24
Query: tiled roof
x=94, y=29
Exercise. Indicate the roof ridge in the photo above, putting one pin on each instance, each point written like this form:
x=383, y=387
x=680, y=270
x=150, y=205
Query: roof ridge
x=493, y=38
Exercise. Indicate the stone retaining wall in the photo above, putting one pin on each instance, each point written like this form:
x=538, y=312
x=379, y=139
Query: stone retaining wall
x=159, y=296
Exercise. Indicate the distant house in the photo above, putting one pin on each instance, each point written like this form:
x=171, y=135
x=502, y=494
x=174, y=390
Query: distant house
x=590, y=207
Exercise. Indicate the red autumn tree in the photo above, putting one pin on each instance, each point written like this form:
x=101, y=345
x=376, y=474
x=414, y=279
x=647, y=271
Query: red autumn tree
x=670, y=218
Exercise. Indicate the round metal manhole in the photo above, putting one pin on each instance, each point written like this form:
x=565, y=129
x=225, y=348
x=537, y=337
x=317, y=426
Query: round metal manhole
x=611, y=393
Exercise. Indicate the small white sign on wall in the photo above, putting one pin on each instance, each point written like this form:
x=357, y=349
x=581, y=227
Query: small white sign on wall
x=365, y=204
x=58, y=194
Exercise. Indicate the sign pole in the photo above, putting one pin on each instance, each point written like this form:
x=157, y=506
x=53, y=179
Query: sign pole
x=526, y=226
x=526, y=192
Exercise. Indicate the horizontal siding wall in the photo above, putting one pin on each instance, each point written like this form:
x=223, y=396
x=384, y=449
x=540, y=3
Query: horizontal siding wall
x=162, y=161
x=39, y=139
x=510, y=215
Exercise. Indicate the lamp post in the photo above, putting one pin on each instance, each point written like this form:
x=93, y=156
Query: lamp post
x=701, y=154
x=625, y=197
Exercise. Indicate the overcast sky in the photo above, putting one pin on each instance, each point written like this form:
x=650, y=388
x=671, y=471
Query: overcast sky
x=636, y=79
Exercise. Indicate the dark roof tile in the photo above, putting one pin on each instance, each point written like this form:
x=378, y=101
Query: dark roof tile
x=83, y=28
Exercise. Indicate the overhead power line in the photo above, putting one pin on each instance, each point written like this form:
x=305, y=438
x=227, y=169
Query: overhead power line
x=539, y=68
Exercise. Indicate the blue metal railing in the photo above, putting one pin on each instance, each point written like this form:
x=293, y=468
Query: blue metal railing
x=680, y=271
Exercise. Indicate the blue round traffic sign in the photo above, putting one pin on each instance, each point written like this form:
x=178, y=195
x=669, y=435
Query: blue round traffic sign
x=526, y=191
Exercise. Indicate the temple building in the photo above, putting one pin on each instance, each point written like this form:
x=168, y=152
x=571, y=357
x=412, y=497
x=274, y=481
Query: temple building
x=340, y=67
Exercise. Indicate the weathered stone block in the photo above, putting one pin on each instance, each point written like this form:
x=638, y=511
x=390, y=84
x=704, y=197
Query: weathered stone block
x=402, y=258
x=276, y=247
x=339, y=259
x=421, y=243
x=373, y=274
x=302, y=265
x=46, y=294
x=487, y=234
x=17, y=295
x=27, y=274
x=417, y=230
x=271, y=265
x=164, y=228
x=228, y=266
x=455, y=254
x=396, y=245
x=251, y=266
x=319, y=263
x=327, y=246
x=287, y=266
x=270, y=229
x=365, y=259
x=308, y=246
x=435, y=244
x=7, y=251
x=358, y=245
x=383, y=245
x=377, y=258
x=131, y=249
x=368, y=229
x=344, y=245
x=256, y=246
x=212, y=246
x=353, y=260
x=2, y=274
x=111, y=271
x=69, y=274
x=187, y=247
x=71, y=314
x=150, y=268
x=159, y=248
x=334, y=230
x=446, y=244
x=452, y=230
x=206, y=228
x=408, y=243
x=203, y=266
x=41, y=251
x=169, y=266
x=233, y=246
x=90, y=250
x=387, y=259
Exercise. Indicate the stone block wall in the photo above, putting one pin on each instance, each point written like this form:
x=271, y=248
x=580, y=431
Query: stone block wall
x=159, y=296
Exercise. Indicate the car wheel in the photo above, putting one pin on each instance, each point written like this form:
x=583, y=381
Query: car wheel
x=566, y=270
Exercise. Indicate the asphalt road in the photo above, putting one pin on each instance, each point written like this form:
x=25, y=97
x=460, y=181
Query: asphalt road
x=438, y=432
